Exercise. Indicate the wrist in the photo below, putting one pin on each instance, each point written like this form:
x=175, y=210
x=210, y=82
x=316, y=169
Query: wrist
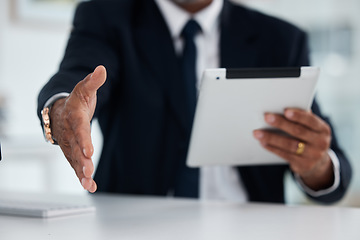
x=55, y=115
x=47, y=119
x=321, y=177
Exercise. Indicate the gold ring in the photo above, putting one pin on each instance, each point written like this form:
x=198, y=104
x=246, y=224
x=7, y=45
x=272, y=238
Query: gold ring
x=300, y=148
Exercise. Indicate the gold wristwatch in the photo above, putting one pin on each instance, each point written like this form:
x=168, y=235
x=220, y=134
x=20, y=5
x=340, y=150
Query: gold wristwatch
x=46, y=122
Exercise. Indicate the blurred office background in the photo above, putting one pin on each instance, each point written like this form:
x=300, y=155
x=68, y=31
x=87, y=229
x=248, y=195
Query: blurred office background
x=33, y=35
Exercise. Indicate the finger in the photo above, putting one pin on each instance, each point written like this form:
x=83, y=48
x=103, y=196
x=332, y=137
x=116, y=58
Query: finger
x=89, y=184
x=80, y=126
x=84, y=143
x=93, y=187
x=287, y=156
x=296, y=162
x=73, y=153
x=77, y=160
x=75, y=157
x=88, y=168
x=70, y=143
x=288, y=144
x=282, y=142
x=294, y=129
x=82, y=166
x=308, y=119
x=86, y=183
x=93, y=82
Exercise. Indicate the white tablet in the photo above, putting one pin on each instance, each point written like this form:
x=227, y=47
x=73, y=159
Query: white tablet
x=231, y=104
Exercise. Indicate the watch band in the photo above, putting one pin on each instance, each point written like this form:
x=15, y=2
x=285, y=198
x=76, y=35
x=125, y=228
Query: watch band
x=45, y=113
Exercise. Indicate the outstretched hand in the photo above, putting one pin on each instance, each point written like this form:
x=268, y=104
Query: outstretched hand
x=70, y=125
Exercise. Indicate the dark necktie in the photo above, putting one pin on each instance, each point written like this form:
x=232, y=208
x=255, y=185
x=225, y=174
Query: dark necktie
x=187, y=184
x=189, y=63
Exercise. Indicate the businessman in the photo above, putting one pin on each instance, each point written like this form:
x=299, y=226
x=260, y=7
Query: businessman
x=148, y=56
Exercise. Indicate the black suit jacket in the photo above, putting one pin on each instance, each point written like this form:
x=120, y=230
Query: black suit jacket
x=141, y=109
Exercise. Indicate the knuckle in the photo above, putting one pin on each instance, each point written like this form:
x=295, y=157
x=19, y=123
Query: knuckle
x=293, y=145
x=296, y=114
x=324, y=143
x=79, y=132
x=75, y=119
x=81, y=94
x=299, y=130
x=318, y=154
x=327, y=129
x=63, y=117
x=66, y=138
x=66, y=143
x=82, y=97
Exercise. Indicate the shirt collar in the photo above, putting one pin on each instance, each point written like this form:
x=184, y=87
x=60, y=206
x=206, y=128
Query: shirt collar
x=176, y=17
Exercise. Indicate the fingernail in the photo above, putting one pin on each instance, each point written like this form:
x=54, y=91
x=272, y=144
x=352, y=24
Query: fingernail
x=92, y=190
x=83, y=182
x=258, y=134
x=270, y=118
x=84, y=152
x=289, y=113
x=84, y=170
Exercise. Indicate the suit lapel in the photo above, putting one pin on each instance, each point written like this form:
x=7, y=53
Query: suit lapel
x=156, y=49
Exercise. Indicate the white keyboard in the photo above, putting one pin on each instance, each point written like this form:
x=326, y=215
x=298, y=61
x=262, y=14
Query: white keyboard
x=41, y=209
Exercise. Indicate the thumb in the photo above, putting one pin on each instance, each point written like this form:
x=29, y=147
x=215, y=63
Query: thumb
x=94, y=81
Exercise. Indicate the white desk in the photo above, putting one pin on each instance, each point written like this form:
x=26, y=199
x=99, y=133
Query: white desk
x=124, y=217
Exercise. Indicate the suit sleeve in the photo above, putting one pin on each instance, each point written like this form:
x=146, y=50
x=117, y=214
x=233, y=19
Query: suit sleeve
x=90, y=44
x=300, y=58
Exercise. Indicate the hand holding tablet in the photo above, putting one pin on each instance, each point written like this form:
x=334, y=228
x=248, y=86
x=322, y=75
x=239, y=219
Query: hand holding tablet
x=232, y=104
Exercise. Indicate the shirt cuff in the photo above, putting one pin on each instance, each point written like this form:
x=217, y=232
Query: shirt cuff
x=54, y=98
x=336, y=168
